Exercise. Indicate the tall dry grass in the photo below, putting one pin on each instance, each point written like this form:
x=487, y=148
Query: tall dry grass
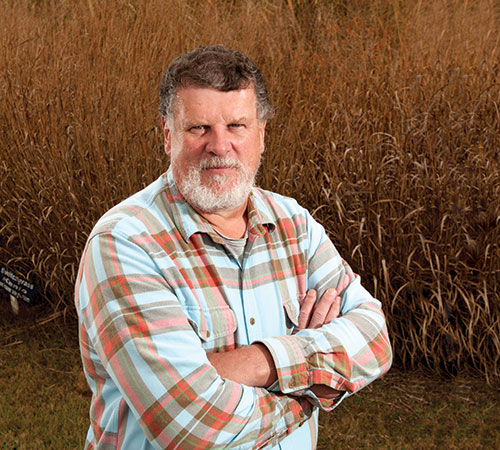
x=387, y=128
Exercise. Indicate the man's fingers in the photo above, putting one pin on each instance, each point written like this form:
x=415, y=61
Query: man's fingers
x=334, y=310
x=315, y=315
x=322, y=309
x=306, y=307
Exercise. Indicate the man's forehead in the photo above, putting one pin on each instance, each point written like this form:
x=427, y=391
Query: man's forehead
x=199, y=100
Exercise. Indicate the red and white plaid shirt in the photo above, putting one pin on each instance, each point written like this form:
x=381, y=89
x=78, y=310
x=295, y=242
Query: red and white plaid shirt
x=158, y=288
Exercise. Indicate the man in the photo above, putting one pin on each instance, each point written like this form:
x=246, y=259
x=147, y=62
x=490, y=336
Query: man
x=209, y=308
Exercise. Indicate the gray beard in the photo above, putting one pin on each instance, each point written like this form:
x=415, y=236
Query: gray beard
x=213, y=197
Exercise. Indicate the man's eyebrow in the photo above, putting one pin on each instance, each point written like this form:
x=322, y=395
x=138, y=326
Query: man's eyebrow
x=240, y=120
x=192, y=123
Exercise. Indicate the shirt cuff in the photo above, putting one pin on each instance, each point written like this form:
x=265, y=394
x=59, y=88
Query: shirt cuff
x=290, y=362
x=296, y=375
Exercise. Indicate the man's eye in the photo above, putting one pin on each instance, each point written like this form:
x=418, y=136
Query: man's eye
x=236, y=125
x=198, y=128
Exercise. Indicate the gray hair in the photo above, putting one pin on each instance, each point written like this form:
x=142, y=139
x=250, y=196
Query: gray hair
x=215, y=67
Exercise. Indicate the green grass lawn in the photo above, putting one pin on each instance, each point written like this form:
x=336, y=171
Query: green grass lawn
x=44, y=403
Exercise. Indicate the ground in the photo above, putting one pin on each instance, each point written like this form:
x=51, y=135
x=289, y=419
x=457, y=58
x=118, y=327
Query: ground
x=44, y=402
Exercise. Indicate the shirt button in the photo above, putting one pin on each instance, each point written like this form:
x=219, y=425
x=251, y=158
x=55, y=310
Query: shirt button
x=301, y=414
x=252, y=320
x=208, y=334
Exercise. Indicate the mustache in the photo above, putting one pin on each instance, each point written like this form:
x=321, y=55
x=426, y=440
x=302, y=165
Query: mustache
x=219, y=161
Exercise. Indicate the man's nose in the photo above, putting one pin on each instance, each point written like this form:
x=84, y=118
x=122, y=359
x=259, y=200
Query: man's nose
x=218, y=141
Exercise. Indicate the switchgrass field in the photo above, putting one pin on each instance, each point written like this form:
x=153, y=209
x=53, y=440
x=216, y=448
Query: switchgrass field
x=387, y=129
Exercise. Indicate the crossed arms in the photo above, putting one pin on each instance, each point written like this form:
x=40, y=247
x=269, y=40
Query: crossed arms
x=235, y=364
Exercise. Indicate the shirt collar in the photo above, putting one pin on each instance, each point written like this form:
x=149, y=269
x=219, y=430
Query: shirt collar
x=189, y=222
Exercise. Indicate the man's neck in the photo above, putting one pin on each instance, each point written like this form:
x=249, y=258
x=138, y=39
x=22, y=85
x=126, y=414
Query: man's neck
x=230, y=223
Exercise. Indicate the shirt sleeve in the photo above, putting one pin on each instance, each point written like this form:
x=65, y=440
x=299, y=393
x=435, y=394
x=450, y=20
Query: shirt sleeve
x=145, y=345
x=346, y=354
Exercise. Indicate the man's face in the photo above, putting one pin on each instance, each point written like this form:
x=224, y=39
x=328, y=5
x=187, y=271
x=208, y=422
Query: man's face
x=215, y=141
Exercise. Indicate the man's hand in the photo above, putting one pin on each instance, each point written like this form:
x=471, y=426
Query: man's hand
x=314, y=315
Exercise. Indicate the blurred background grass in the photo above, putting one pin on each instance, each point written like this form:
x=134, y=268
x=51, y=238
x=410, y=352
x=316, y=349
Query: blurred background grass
x=387, y=129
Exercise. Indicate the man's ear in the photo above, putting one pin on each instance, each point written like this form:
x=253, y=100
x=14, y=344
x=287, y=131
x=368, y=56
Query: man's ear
x=262, y=132
x=167, y=135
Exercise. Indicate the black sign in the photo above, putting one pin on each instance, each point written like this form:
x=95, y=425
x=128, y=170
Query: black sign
x=16, y=286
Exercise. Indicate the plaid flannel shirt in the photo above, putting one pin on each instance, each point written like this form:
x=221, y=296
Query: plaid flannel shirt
x=157, y=289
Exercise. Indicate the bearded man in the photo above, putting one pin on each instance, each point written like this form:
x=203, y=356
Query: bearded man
x=215, y=314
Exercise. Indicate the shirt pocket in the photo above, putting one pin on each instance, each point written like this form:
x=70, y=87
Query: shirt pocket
x=215, y=326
